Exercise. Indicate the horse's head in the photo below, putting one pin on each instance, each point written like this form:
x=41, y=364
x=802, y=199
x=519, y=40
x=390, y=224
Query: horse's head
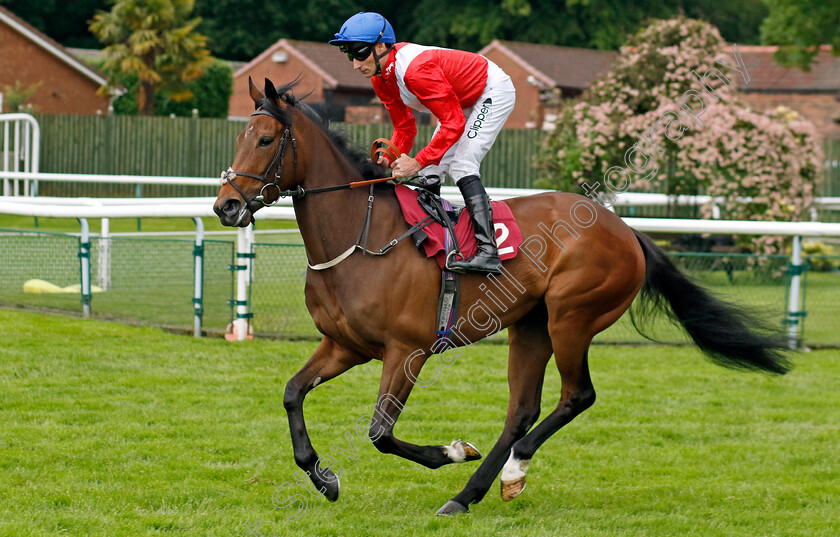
x=266, y=158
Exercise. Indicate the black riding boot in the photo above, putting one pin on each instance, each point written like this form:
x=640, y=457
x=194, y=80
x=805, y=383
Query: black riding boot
x=486, y=258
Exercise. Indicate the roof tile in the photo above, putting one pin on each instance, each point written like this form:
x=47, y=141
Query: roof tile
x=567, y=67
x=767, y=75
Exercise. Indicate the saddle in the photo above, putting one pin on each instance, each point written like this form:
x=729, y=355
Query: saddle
x=440, y=229
x=442, y=212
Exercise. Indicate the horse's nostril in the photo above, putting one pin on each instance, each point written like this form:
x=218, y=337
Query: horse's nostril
x=231, y=207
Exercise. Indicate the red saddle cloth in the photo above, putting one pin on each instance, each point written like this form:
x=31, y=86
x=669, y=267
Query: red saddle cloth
x=508, y=235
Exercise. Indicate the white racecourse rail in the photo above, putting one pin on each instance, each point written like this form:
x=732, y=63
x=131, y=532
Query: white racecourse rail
x=197, y=208
x=20, y=146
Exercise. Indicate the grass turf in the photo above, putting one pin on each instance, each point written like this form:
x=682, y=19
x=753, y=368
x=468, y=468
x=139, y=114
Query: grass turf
x=115, y=430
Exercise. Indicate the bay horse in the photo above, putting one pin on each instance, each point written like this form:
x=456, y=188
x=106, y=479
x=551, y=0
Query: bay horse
x=578, y=270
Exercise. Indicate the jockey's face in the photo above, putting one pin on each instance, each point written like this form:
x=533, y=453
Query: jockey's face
x=368, y=66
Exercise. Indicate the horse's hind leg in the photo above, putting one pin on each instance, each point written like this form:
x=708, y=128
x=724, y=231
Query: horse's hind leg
x=530, y=350
x=328, y=361
x=577, y=394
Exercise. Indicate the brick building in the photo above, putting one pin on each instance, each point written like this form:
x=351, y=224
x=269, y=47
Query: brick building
x=28, y=58
x=540, y=74
x=325, y=75
x=544, y=75
x=814, y=94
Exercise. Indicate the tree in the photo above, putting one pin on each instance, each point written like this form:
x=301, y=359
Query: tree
x=600, y=24
x=155, y=40
x=241, y=29
x=632, y=130
x=799, y=27
x=66, y=22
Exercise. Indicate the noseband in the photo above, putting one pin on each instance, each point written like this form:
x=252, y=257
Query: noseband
x=229, y=175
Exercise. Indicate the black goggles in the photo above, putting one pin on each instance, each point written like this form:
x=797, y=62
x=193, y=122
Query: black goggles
x=358, y=53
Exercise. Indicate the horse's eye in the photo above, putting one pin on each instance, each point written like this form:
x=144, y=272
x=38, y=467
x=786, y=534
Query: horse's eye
x=265, y=140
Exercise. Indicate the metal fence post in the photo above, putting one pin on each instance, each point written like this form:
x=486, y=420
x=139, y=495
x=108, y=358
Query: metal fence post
x=84, y=266
x=198, y=255
x=794, y=314
x=138, y=193
x=242, y=267
x=104, y=252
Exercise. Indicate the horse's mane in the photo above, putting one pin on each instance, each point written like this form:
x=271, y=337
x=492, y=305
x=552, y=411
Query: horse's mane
x=317, y=114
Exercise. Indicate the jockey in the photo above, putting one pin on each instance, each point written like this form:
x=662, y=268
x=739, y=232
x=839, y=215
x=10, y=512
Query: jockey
x=469, y=95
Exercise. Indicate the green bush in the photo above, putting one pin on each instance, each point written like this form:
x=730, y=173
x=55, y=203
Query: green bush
x=821, y=256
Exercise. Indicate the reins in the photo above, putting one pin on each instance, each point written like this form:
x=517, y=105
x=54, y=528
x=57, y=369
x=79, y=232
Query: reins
x=300, y=192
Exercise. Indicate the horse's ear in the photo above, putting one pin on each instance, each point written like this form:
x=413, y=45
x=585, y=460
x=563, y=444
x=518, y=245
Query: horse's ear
x=256, y=94
x=270, y=91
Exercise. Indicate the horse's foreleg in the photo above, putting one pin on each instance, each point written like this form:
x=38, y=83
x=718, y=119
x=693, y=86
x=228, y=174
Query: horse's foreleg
x=530, y=350
x=399, y=374
x=328, y=361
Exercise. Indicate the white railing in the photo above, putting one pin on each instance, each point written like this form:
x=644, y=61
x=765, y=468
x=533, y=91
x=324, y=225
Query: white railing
x=105, y=209
x=20, y=148
x=627, y=199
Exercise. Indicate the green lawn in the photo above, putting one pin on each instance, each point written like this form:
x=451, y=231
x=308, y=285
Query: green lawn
x=122, y=431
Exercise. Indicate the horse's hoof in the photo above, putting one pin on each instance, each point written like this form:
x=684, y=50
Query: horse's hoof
x=333, y=489
x=460, y=451
x=452, y=508
x=470, y=451
x=512, y=489
x=329, y=487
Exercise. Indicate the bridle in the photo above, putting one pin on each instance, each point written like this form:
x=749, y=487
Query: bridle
x=229, y=175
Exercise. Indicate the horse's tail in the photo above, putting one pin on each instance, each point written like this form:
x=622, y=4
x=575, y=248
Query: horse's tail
x=726, y=333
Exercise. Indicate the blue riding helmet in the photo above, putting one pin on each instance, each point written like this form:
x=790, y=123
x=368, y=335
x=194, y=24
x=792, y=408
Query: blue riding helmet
x=365, y=27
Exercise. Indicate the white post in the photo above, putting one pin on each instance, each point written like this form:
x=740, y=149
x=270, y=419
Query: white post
x=198, y=254
x=35, y=154
x=793, y=300
x=25, y=157
x=243, y=251
x=104, y=279
x=84, y=266
x=6, y=184
x=16, y=161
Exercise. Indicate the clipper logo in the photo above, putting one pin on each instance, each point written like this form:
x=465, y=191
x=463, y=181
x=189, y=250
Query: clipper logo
x=483, y=112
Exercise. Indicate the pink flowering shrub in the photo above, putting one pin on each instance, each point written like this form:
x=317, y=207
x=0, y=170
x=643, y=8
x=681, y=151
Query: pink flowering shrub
x=724, y=150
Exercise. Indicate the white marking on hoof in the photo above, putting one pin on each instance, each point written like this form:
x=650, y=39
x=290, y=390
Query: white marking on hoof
x=455, y=451
x=513, y=477
x=515, y=468
x=460, y=451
